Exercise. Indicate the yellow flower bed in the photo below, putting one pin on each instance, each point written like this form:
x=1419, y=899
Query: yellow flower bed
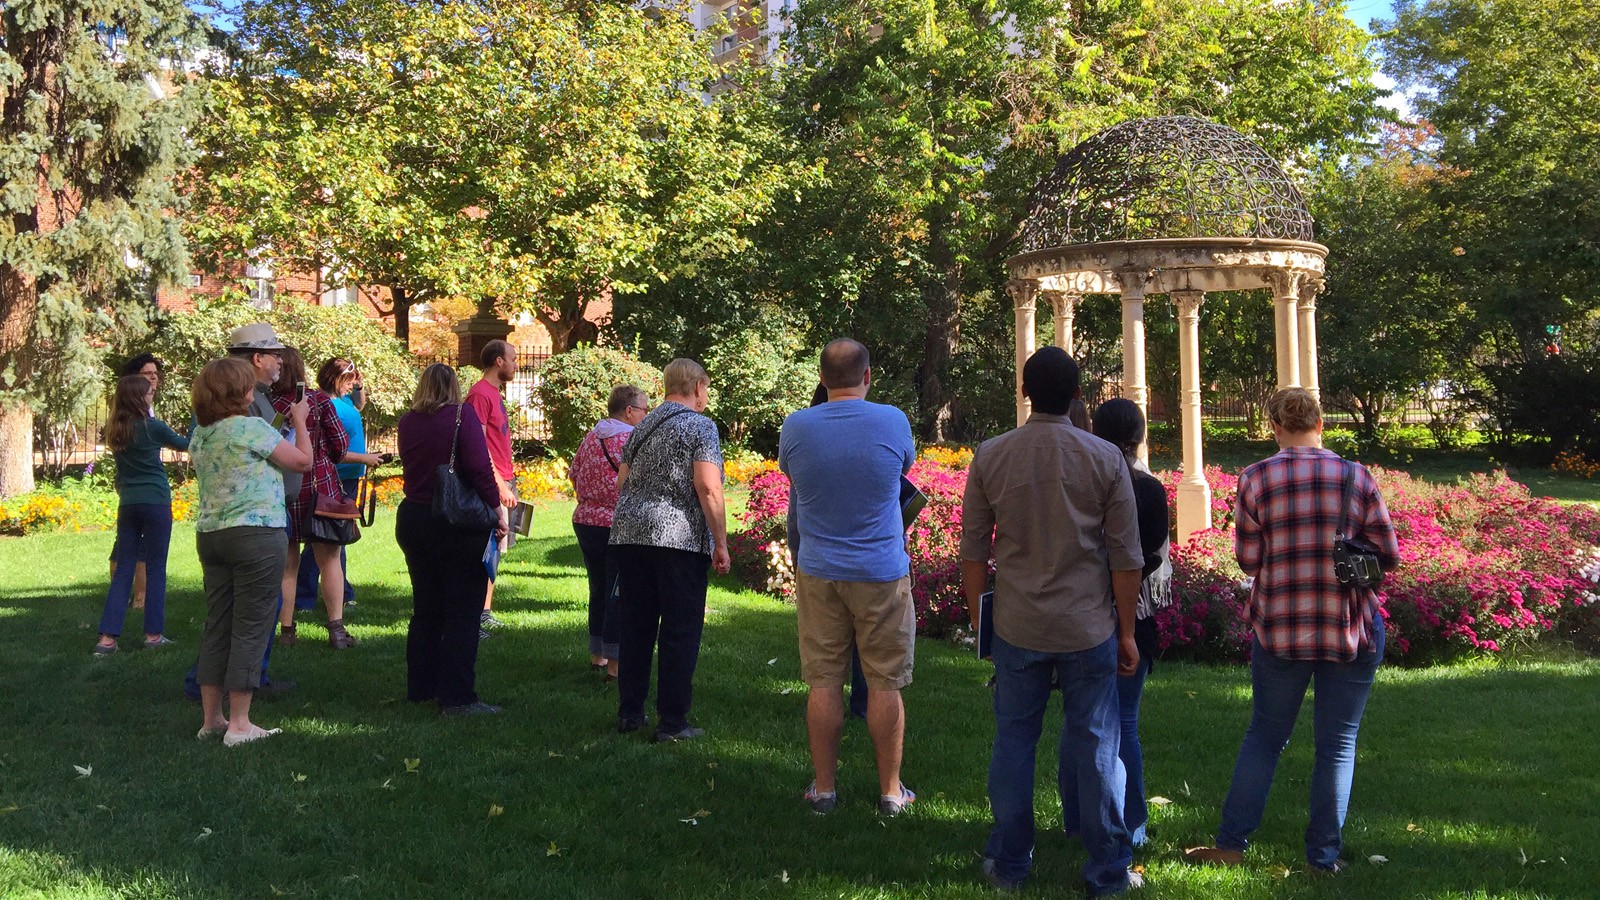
x=954, y=457
x=742, y=470
x=38, y=512
x=543, y=481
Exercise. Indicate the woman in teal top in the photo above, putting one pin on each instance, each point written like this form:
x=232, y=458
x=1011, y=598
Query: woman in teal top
x=240, y=538
x=144, y=513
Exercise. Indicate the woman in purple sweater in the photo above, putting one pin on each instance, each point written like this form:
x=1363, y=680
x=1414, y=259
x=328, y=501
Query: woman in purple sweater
x=448, y=579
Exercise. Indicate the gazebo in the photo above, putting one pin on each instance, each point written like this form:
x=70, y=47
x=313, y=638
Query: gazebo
x=1178, y=206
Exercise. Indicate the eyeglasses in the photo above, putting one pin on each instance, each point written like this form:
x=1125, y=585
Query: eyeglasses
x=643, y=409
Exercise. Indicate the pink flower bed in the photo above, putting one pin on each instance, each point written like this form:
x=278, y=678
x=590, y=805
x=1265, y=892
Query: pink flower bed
x=1484, y=565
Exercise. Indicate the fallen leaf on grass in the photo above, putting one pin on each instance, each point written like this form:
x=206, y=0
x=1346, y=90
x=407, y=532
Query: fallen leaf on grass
x=1414, y=828
x=712, y=764
x=1377, y=860
x=278, y=891
x=1191, y=694
x=8, y=810
x=784, y=876
x=388, y=784
x=1159, y=801
x=204, y=833
x=298, y=777
x=711, y=784
x=1280, y=872
x=496, y=809
x=1186, y=789
x=84, y=771
x=773, y=661
x=412, y=765
x=553, y=850
x=786, y=691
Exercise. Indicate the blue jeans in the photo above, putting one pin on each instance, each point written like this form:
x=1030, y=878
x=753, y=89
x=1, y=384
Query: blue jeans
x=143, y=532
x=307, y=578
x=1277, y=688
x=1088, y=759
x=1135, y=812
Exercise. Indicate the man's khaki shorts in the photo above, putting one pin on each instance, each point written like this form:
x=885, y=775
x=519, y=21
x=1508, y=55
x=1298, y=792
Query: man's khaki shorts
x=876, y=616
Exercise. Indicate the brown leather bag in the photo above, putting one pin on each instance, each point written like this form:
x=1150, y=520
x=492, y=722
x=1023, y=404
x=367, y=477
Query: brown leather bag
x=330, y=508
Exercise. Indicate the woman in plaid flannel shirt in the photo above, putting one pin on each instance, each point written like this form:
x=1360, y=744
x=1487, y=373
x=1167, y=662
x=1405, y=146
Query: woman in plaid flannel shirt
x=1307, y=625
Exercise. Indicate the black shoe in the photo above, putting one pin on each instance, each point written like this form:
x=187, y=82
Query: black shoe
x=487, y=620
x=626, y=724
x=478, y=708
x=686, y=733
x=484, y=635
x=274, y=688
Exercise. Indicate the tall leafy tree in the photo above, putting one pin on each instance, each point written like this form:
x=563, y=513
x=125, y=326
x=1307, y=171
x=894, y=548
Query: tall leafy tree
x=533, y=154
x=1511, y=87
x=91, y=137
x=1394, y=279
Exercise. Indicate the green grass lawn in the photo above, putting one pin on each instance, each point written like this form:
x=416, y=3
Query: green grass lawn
x=1475, y=780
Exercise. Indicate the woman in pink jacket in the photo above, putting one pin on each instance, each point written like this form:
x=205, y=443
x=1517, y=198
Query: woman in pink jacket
x=594, y=481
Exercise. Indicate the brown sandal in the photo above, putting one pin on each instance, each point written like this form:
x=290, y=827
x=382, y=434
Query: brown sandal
x=287, y=636
x=338, y=638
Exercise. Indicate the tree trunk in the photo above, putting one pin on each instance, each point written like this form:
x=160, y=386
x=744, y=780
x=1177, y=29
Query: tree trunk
x=941, y=294
x=19, y=305
x=16, y=449
x=402, y=315
x=566, y=324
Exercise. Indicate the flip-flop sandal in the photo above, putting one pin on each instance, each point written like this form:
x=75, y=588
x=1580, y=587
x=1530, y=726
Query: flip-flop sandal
x=234, y=740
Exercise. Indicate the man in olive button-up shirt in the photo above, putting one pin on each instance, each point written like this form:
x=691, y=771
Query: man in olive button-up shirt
x=1055, y=505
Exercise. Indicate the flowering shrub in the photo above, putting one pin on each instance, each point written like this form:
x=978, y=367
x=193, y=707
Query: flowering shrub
x=741, y=469
x=543, y=480
x=1484, y=565
x=1571, y=462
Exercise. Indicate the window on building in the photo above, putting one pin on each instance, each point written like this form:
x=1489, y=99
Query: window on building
x=260, y=286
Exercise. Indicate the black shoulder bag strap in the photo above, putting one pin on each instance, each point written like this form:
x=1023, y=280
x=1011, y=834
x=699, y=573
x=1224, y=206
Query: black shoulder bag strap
x=609, y=458
x=1346, y=498
x=653, y=429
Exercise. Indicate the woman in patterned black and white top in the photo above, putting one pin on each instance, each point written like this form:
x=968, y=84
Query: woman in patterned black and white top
x=668, y=530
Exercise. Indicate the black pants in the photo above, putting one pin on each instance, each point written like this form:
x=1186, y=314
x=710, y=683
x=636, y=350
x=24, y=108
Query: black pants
x=605, y=623
x=448, y=584
x=663, y=598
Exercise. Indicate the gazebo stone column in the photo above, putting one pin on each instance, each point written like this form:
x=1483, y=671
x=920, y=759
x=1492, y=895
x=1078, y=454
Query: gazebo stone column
x=1194, y=493
x=1308, y=338
x=1133, y=382
x=1285, y=301
x=1064, y=308
x=1022, y=297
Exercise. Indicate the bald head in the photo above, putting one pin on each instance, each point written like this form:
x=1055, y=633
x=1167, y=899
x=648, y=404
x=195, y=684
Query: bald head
x=844, y=365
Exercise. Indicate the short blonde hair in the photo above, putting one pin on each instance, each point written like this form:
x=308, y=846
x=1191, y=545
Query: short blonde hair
x=1294, y=410
x=682, y=375
x=222, y=389
x=437, y=388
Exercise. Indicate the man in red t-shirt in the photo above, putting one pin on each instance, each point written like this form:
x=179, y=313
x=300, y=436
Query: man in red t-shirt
x=499, y=362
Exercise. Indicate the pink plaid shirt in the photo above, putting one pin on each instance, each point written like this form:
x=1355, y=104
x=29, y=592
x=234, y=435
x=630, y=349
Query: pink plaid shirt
x=1285, y=521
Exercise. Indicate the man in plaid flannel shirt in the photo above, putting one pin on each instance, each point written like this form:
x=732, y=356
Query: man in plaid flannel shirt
x=1307, y=625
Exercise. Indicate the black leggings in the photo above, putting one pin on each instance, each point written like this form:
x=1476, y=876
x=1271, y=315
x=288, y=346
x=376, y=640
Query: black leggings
x=448, y=584
x=605, y=623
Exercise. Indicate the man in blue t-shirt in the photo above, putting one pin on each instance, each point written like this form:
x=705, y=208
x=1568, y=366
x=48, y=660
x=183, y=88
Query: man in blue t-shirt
x=845, y=459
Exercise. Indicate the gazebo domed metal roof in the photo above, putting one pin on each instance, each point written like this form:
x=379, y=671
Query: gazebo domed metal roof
x=1176, y=206
x=1166, y=177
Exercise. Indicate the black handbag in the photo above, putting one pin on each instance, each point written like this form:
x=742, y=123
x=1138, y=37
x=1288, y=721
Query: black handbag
x=323, y=530
x=454, y=500
x=1356, y=562
x=332, y=522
